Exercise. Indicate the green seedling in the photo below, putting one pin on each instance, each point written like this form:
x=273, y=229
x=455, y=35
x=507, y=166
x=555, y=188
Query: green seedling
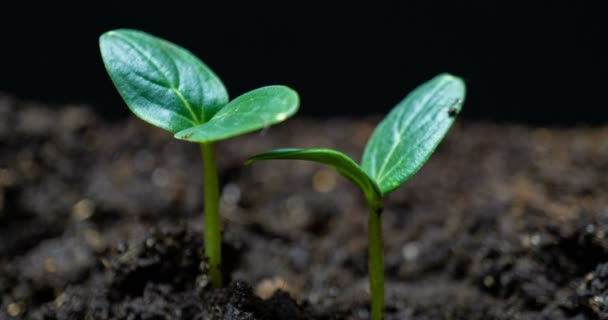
x=399, y=146
x=168, y=87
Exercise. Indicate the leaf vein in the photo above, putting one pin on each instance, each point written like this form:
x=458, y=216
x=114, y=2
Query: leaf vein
x=168, y=83
x=402, y=129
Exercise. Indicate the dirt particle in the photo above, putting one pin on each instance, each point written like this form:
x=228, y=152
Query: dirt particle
x=60, y=300
x=531, y=240
x=598, y=303
x=267, y=287
x=488, y=281
x=231, y=194
x=535, y=239
x=29, y=168
x=94, y=240
x=50, y=265
x=202, y=281
x=14, y=309
x=204, y=265
x=324, y=181
x=106, y=263
x=410, y=251
x=160, y=177
x=150, y=242
x=7, y=178
x=83, y=209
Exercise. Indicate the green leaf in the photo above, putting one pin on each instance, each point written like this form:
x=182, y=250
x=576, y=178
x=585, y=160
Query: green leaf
x=162, y=83
x=256, y=109
x=339, y=161
x=411, y=132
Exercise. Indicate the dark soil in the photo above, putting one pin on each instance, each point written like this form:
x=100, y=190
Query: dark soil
x=103, y=220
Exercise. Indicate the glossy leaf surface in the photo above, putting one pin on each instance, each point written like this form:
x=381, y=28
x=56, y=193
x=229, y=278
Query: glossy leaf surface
x=411, y=132
x=162, y=83
x=254, y=110
x=339, y=161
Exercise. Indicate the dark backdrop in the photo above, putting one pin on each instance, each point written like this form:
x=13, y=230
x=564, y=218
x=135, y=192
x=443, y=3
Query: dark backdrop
x=538, y=61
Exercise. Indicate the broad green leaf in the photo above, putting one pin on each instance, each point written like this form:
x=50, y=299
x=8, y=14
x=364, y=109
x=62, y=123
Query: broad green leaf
x=256, y=109
x=339, y=161
x=411, y=132
x=162, y=83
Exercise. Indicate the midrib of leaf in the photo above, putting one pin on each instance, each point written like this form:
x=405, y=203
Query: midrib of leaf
x=397, y=137
x=175, y=113
x=382, y=174
x=409, y=151
x=167, y=83
x=186, y=104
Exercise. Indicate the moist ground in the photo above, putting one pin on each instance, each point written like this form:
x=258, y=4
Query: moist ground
x=102, y=219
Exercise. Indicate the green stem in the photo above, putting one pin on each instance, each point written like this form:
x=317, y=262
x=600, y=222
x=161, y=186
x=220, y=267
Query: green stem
x=376, y=261
x=213, y=236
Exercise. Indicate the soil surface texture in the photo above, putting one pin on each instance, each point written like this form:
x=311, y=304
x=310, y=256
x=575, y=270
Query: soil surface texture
x=102, y=219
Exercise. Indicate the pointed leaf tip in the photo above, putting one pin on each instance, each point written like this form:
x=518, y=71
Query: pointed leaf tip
x=161, y=82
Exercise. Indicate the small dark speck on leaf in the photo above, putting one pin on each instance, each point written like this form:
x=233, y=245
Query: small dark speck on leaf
x=379, y=211
x=187, y=135
x=452, y=111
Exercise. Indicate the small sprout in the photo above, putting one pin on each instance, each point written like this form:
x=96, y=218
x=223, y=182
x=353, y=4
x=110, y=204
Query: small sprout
x=167, y=86
x=399, y=146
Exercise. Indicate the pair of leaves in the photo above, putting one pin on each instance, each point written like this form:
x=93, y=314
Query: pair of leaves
x=167, y=86
x=401, y=143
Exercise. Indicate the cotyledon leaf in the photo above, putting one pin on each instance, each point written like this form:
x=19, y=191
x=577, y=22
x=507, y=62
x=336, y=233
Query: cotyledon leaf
x=411, y=132
x=339, y=161
x=162, y=83
x=256, y=109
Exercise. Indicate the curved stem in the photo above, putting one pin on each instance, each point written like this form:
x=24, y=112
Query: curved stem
x=376, y=261
x=213, y=236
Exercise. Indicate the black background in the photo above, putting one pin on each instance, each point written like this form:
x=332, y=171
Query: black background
x=535, y=61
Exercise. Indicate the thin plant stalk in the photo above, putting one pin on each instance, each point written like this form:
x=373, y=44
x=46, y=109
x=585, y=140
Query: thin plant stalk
x=213, y=237
x=399, y=146
x=376, y=261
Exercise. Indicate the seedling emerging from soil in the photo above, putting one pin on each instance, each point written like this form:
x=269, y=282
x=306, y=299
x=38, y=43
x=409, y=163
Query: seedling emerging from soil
x=399, y=146
x=169, y=87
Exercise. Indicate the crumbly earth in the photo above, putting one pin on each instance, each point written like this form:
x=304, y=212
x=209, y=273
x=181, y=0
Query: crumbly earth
x=102, y=219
